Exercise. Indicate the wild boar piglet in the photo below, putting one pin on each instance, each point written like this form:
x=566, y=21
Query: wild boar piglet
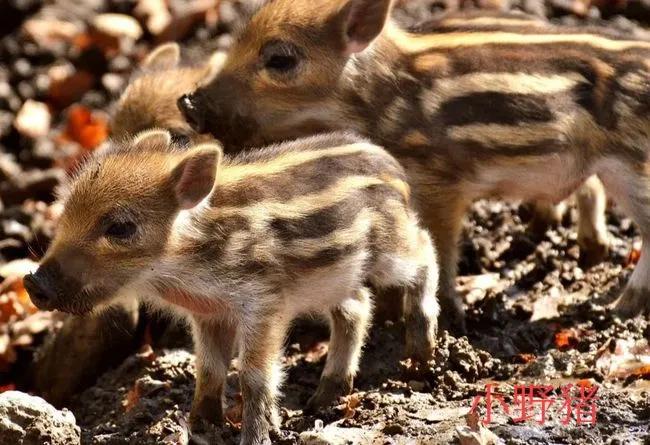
x=241, y=246
x=509, y=110
x=149, y=100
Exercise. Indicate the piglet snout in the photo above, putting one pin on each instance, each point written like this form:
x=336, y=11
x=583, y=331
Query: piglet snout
x=193, y=115
x=39, y=292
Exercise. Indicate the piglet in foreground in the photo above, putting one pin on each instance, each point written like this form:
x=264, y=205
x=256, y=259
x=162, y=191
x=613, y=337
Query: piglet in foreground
x=241, y=246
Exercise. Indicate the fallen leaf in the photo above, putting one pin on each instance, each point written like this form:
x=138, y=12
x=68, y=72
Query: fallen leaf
x=132, y=398
x=626, y=358
x=351, y=403
x=475, y=433
x=85, y=128
x=635, y=254
x=10, y=308
x=525, y=358
x=566, y=339
x=70, y=88
x=585, y=383
x=147, y=353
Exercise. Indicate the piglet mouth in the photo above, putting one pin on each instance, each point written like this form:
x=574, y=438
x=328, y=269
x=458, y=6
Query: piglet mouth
x=187, y=104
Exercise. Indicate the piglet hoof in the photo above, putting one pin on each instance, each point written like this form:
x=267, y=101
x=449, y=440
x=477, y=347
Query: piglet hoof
x=633, y=302
x=420, y=338
x=328, y=392
x=208, y=409
x=592, y=252
x=419, y=347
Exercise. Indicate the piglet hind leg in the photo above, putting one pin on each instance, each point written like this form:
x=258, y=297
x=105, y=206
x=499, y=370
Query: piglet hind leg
x=442, y=213
x=629, y=185
x=421, y=307
x=545, y=215
x=214, y=340
x=593, y=237
x=348, y=328
x=262, y=339
x=414, y=269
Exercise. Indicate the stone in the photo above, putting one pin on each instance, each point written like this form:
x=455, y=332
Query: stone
x=335, y=435
x=33, y=119
x=30, y=420
x=118, y=26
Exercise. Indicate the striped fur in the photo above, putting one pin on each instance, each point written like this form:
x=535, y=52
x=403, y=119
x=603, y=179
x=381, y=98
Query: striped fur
x=241, y=246
x=485, y=107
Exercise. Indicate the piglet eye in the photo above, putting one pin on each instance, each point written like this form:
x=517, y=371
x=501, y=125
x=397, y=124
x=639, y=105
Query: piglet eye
x=179, y=138
x=280, y=57
x=281, y=63
x=121, y=230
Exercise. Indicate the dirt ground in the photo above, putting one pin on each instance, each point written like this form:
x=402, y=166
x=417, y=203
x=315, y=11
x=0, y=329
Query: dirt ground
x=541, y=335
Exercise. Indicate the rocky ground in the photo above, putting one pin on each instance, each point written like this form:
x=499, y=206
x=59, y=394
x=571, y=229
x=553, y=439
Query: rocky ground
x=538, y=322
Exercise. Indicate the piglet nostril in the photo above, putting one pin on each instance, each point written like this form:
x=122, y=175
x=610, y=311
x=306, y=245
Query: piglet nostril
x=191, y=113
x=40, y=295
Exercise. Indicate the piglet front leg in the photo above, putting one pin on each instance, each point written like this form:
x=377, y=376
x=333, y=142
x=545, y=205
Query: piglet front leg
x=214, y=340
x=262, y=339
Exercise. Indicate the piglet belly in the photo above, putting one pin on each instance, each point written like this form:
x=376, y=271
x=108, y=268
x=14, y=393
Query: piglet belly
x=194, y=303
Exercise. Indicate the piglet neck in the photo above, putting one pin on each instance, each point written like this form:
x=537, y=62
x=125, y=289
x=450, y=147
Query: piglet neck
x=370, y=82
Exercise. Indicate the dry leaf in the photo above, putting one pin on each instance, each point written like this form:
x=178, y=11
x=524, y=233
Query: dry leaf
x=86, y=128
x=525, y=358
x=66, y=90
x=147, y=353
x=351, y=403
x=635, y=254
x=627, y=358
x=475, y=433
x=566, y=339
x=132, y=398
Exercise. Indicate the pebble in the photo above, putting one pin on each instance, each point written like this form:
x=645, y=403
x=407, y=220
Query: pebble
x=118, y=25
x=29, y=420
x=335, y=435
x=33, y=119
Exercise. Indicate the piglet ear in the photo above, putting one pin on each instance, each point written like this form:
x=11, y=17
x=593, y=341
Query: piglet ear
x=193, y=178
x=153, y=138
x=363, y=21
x=163, y=57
